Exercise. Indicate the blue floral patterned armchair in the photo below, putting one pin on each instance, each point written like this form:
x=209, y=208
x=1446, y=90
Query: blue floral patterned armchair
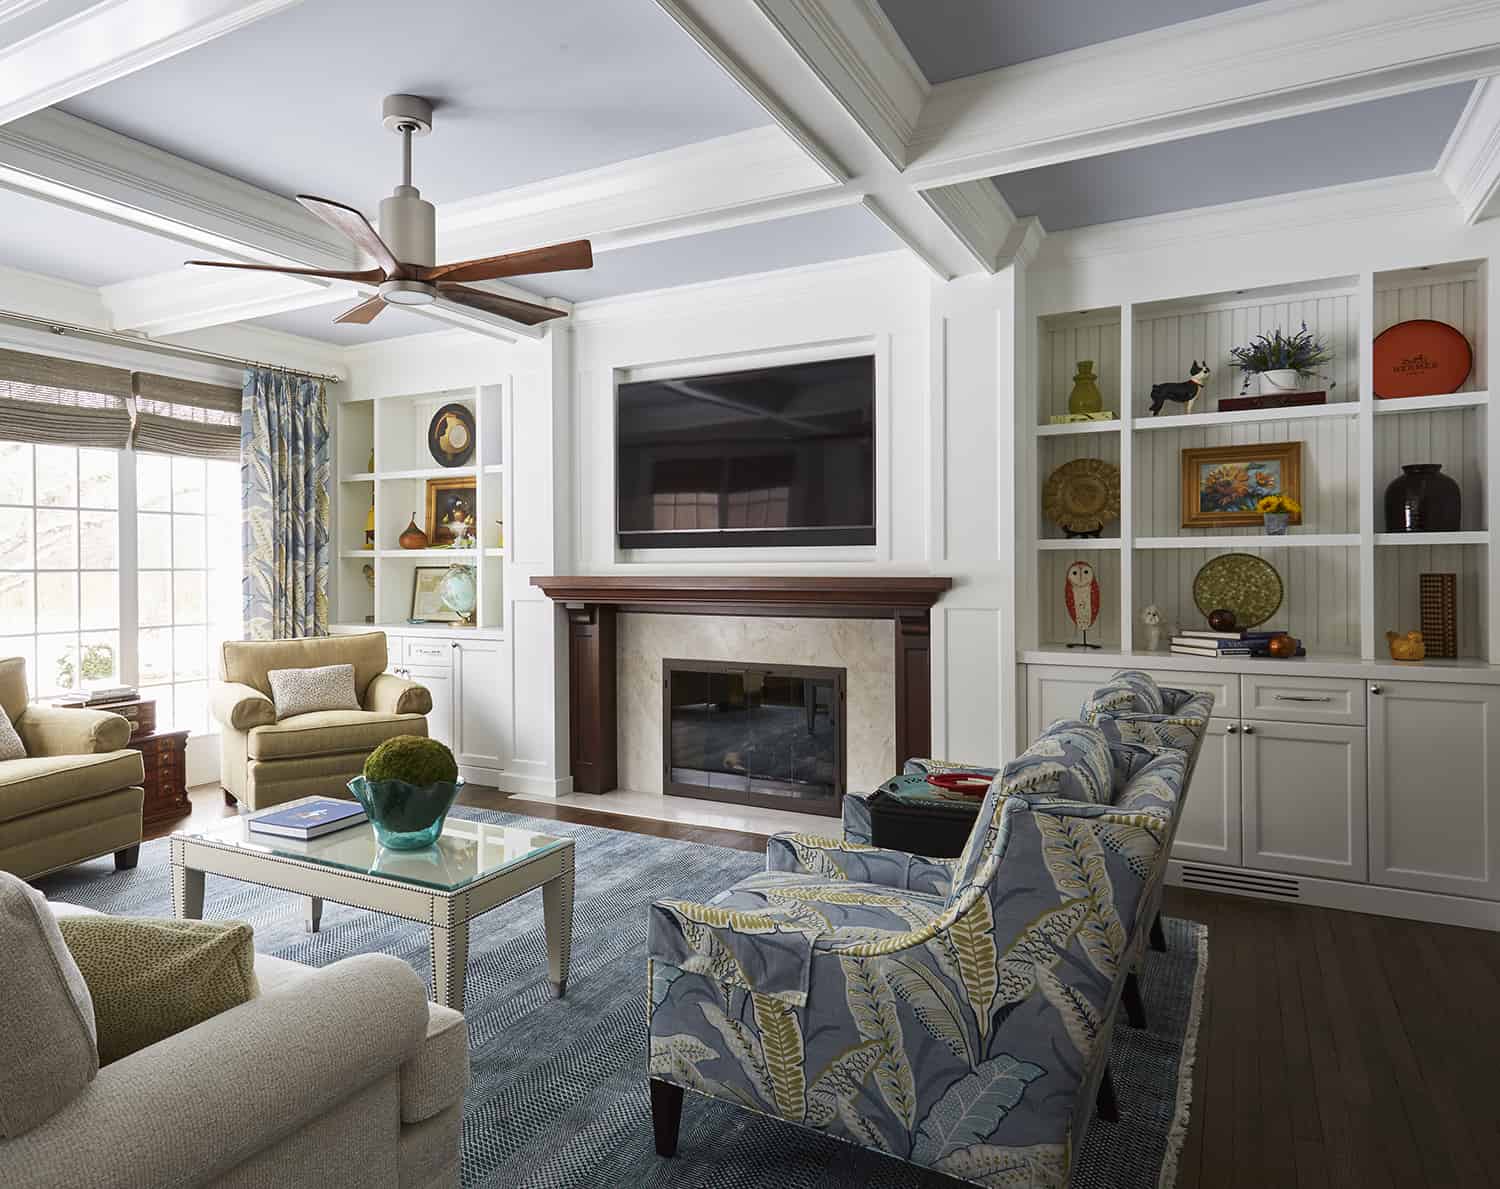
x=951, y=1013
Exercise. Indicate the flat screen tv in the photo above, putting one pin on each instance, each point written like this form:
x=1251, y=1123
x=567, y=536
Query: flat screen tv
x=774, y=456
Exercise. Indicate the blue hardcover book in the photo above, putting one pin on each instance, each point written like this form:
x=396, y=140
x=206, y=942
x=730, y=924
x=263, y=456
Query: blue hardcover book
x=312, y=819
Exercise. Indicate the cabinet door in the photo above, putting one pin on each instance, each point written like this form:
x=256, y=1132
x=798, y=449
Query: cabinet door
x=1434, y=764
x=395, y=662
x=1304, y=799
x=439, y=682
x=477, y=717
x=1209, y=830
x=1054, y=692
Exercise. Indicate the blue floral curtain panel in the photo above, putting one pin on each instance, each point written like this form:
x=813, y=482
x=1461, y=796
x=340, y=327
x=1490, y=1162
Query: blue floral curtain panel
x=284, y=480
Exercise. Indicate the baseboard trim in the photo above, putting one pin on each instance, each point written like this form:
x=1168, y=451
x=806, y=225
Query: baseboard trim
x=519, y=782
x=1432, y=907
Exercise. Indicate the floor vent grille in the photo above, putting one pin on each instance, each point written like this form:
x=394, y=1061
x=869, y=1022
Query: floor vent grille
x=1216, y=879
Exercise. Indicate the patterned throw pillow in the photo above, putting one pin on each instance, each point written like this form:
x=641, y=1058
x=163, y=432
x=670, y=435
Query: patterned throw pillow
x=1071, y=760
x=11, y=747
x=1148, y=693
x=150, y=979
x=302, y=691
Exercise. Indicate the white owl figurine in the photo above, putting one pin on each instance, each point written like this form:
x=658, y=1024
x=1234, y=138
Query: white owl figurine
x=1081, y=591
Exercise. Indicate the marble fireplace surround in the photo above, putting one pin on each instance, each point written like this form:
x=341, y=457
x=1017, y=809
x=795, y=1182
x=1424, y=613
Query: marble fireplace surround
x=835, y=621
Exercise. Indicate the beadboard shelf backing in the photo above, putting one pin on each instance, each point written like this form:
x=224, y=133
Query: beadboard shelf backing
x=1454, y=438
x=1063, y=340
x=1055, y=452
x=1398, y=599
x=1450, y=293
x=1053, y=622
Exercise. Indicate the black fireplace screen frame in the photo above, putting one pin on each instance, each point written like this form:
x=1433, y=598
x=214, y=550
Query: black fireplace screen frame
x=828, y=807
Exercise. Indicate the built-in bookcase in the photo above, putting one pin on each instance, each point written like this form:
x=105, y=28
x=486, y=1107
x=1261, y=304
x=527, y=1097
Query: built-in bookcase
x=1346, y=580
x=394, y=482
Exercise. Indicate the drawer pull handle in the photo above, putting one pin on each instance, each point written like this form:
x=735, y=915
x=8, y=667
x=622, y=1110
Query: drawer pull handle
x=1301, y=698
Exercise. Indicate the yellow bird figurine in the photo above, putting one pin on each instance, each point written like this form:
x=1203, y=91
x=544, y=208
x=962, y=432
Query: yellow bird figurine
x=1406, y=648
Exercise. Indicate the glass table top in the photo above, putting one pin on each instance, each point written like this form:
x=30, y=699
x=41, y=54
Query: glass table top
x=465, y=853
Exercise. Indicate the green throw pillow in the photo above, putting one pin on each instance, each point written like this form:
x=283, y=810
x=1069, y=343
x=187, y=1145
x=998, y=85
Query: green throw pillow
x=151, y=978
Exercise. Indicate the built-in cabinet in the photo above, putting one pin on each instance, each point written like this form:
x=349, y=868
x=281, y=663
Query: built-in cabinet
x=1391, y=783
x=463, y=677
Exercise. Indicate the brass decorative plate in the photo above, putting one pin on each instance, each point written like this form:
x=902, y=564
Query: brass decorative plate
x=1239, y=582
x=450, y=436
x=1082, y=496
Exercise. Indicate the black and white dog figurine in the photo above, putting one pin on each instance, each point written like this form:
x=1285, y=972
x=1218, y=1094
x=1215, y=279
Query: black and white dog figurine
x=1186, y=391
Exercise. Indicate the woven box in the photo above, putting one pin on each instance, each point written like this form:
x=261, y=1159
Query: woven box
x=1439, y=602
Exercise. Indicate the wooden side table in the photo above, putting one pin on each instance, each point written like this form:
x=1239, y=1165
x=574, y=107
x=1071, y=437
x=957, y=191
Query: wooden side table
x=164, y=754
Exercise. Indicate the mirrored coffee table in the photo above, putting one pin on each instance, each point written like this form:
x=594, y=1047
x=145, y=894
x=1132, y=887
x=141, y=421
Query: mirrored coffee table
x=473, y=868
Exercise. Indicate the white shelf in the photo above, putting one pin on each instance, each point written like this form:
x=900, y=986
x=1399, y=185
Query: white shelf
x=1252, y=541
x=421, y=629
x=1318, y=663
x=494, y=552
x=1072, y=428
x=430, y=473
x=494, y=468
x=1469, y=538
x=430, y=554
x=1431, y=404
x=1346, y=408
x=361, y=477
x=1079, y=544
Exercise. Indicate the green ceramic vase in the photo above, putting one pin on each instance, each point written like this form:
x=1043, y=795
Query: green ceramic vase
x=1085, y=397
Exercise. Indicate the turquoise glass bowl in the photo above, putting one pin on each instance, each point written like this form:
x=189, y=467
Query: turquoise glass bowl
x=406, y=816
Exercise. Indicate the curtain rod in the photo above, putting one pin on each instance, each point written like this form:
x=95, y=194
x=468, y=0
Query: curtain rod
x=67, y=329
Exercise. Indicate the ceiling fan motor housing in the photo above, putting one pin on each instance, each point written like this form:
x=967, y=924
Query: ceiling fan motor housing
x=408, y=226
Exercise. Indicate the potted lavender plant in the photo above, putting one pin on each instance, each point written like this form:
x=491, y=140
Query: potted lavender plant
x=1281, y=360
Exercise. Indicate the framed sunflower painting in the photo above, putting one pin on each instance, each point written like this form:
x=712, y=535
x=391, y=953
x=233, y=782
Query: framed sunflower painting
x=1221, y=485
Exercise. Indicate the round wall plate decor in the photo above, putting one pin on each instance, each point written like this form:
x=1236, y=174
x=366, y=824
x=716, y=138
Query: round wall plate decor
x=1239, y=582
x=1082, y=496
x=1421, y=357
x=450, y=435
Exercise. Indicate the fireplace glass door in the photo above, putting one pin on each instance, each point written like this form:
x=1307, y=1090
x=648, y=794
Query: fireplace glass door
x=770, y=735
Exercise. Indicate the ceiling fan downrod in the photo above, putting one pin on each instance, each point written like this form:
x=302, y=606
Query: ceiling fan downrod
x=408, y=223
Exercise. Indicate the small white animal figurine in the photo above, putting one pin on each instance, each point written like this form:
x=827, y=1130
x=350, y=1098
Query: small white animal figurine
x=1081, y=591
x=1151, y=617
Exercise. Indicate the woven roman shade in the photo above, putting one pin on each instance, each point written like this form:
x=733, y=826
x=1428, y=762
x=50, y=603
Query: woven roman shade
x=63, y=402
x=186, y=418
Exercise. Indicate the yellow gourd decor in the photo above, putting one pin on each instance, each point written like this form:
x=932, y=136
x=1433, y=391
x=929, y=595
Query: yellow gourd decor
x=1409, y=647
x=1085, y=397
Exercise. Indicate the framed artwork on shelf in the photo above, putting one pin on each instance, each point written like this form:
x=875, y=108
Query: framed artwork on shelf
x=1221, y=485
x=427, y=596
x=450, y=512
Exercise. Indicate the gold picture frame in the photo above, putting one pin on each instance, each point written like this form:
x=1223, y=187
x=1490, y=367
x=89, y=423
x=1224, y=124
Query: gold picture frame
x=444, y=497
x=1221, y=484
x=427, y=596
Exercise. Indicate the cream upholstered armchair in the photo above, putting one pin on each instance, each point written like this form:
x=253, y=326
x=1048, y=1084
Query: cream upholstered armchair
x=77, y=792
x=263, y=761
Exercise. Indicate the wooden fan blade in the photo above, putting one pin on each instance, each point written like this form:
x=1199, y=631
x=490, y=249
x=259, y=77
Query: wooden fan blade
x=351, y=223
x=523, y=312
x=578, y=253
x=369, y=275
x=365, y=311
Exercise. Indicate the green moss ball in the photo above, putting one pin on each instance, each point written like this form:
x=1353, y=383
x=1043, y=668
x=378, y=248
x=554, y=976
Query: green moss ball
x=412, y=758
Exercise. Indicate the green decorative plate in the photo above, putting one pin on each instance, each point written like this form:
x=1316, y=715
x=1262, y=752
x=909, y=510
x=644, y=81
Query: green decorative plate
x=1239, y=582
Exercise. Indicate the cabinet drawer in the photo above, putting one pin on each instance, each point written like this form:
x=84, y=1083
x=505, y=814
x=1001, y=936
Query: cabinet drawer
x=1303, y=699
x=420, y=651
x=1226, y=690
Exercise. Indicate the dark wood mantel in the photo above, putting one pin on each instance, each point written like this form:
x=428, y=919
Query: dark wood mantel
x=591, y=602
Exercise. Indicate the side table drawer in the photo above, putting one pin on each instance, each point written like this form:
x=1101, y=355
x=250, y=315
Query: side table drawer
x=426, y=651
x=1338, y=700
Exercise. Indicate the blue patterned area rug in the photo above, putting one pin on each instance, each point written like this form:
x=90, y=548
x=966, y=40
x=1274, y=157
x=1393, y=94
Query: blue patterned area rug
x=559, y=1094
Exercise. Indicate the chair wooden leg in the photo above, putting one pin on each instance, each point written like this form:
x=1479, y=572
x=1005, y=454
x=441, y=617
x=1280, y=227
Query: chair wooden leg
x=125, y=860
x=666, y=1115
x=1109, y=1109
x=1158, y=936
x=1135, y=1008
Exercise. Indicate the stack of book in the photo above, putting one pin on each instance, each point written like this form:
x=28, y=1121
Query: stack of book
x=113, y=693
x=1225, y=644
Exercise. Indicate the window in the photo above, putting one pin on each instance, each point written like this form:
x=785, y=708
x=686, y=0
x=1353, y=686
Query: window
x=60, y=565
x=187, y=580
x=64, y=551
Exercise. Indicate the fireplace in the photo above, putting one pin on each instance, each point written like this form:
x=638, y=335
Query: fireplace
x=754, y=734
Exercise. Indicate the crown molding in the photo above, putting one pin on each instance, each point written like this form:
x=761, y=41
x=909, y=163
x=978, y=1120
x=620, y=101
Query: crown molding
x=88, y=45
x=1470, y=164
x=853, y=49
x=979, y=215
x=1235, y=68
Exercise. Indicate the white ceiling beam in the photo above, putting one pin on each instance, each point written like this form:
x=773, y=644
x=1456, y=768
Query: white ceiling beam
x=1470, y=164
x=754, y=49
x=1261, y=62
x=51, y=50
x=188, y=299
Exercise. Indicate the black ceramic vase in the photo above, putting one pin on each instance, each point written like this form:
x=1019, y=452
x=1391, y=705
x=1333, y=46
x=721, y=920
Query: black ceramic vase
x=1422, y=500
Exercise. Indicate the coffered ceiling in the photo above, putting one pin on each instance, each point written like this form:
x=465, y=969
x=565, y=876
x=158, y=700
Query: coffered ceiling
x=690, y=140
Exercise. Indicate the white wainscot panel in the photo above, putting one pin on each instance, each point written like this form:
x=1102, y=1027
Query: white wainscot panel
x=971, y=454
x=971, y=637
x=533, y=698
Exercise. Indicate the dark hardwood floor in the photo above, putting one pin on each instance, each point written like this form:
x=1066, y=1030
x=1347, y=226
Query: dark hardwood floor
x=1336, y=1049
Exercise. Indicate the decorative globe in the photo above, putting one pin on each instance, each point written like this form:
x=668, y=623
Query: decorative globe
x=408, y=785
x=458, y=591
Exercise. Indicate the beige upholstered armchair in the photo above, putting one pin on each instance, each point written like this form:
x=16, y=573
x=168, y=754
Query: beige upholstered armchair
x=264, y=762
x=75, y=795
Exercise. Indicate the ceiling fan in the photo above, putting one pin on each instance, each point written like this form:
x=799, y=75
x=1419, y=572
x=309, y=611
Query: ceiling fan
x=405, y=247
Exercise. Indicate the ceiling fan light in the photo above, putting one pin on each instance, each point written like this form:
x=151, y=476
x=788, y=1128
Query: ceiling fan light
x=408, y=293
